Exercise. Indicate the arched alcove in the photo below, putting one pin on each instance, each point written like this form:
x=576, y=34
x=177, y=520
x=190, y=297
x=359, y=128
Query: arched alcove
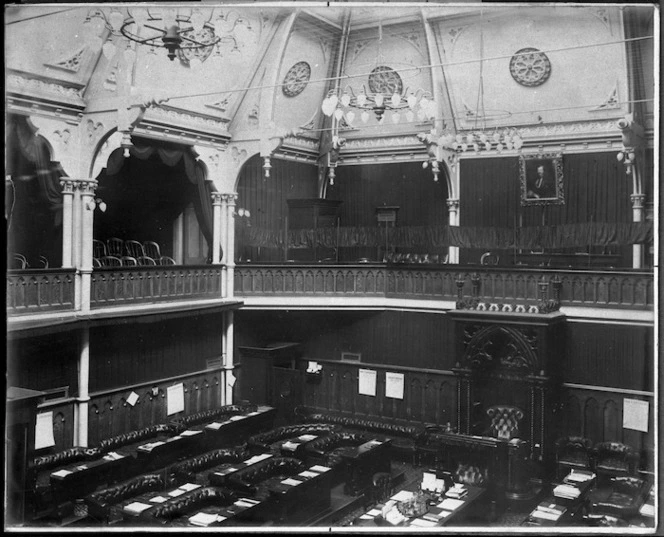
x=158, y=193
x=33, y=197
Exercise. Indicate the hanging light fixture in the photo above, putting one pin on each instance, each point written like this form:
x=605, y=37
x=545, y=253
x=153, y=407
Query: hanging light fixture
x=184, y=33
x=385, y=93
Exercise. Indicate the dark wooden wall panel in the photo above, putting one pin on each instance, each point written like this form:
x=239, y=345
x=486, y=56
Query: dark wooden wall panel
x=610, y=354
x=110, y=414
x=133, y=353
x=429, y=396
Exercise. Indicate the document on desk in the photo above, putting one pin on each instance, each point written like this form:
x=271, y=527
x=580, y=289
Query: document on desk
x=423, y=523
x=402, y=496
x=190, y=433
x=450, y=504
x=203, y=519
x=136, y=508
x=61, y=473
x=215, y=426
x=307, y=473
x=176, y=492
x=113, y=456
x=291, y=482
x=307, y=437
x=236, y=418
x=190, y=486
x=319, y=468
x=158, y=499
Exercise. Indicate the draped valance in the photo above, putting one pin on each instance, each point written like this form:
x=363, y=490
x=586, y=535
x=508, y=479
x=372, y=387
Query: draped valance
x=529, y=238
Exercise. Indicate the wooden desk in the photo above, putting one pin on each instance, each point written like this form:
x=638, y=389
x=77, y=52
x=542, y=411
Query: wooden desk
x=220, y=477
x=297, y=497
x=77, y=480
x=571, y=508
x=362, y=462
x=456, y=510
x=235, y=429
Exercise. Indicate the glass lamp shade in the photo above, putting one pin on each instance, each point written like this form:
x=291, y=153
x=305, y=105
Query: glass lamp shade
x=109, y=50
x=338, y=114
x=116, y=19
x=169, y=17
x=197, y=20
x=395, y=100
x=361, y=99
x=412, y=101
x=345, y=99
x=364, y=116
x=396, y=117
x=379, y=99
x=350, y=116
x=410, y=116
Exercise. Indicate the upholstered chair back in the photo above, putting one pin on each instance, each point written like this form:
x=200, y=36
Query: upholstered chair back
x=504, y=421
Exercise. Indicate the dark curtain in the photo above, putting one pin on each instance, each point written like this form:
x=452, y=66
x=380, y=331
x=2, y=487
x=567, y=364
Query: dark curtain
x=33, y=195
x=260, y=237
x=182, y=159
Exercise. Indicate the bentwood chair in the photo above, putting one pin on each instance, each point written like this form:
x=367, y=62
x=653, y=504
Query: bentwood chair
x=134, y=249
x=19, y=262
x=145, y=260
x=98, y=249
x=110, y=261
x=129, y=261
x=165, y=260
x=115, y=247
x=151, y=249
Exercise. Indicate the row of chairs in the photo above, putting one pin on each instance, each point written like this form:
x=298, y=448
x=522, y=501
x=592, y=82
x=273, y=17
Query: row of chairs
x=130, y=261
x=119, y=248
x=20, y=262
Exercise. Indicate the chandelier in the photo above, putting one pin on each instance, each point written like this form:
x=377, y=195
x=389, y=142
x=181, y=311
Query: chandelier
x=386, y=93
x=498, y=140
x=190, y=34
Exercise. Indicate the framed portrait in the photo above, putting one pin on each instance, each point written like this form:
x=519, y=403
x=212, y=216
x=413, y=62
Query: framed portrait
x=541, y=178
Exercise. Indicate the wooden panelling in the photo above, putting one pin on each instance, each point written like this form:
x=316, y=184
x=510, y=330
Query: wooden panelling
x=110, y=414
x=36, y=291
x=429, y=396
x=128, y=354
x=598, y=414
x=612, y=355
x=625, y=290
x=133, y=285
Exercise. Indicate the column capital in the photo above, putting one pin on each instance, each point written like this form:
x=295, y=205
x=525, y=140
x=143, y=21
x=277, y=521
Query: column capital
x=68, y=185
x=217, y=198
x=84, y=185
x=229, y=197
x=452, y=204
x=637, y=200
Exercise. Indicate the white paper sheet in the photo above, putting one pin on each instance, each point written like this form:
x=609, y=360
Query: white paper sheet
x=367, y=382
x=190, y=486
x=319, y=468
x=635, y=414
x=175, y=399
x=132, y=398
x=176, y=492
x=137, y=507
x=230, y=379
x=203, y=519
x=44, y=430
x=450, y=504
x=158, y=499
x=394, y=385
x=61, y=473
x=291, y=482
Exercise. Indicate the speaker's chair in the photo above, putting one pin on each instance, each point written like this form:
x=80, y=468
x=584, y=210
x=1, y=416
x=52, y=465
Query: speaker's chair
x=504, y=421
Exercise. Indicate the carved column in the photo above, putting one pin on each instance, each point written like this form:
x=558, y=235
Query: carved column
x=216, y=227
x=83, y=398
x=67, y=223
x=230, y=242
x=228, y=359
x=87, y=206
x=453, y=210
x=637, y=216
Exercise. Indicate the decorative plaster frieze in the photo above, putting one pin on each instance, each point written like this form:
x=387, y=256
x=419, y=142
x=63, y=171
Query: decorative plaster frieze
x=221, y=104
x=238, y=156
x=383, y=143
x=72, y=62
x=602, y=14
x=94, y=130
x=453, y=35
x=577, y=130
x=19, y=83
x=358, y=47
x=177, y=117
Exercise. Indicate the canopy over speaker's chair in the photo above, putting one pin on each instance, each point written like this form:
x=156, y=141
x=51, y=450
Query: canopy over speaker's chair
x=504, y=421
x=573, y=453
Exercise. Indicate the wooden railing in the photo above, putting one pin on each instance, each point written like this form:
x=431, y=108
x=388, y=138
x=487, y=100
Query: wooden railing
x=37, y=291
x=131, y=285
x=617, y=289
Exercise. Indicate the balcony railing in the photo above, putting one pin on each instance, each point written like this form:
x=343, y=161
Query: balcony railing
x=37, y=291
x=616, y=289
x=132, y=285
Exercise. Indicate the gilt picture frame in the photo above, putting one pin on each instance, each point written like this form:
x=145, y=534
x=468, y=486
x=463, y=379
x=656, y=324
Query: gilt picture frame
x=541, y=179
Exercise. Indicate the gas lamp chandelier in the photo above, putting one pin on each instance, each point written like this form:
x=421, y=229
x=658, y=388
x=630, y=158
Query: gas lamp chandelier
x=189, y=34
x=386, y=93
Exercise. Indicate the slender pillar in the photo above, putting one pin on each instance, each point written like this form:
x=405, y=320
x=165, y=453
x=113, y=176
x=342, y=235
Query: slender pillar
x=76, y=242
x=178, y=239
x=87, y=207
x=82, y=401
x=637, y=216
x=453, y=210
x=67, y=222
x=229, y=251
x=216, y=227
x=228, y=358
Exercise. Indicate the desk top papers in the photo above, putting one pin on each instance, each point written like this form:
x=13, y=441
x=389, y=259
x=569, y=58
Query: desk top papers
x=450, y=504
x=291, y=482
x=402, y=496
x=569, y=492
x=189, y=486
x=190, y=433
x=61, y=473
x=647, y=509
x=215, y=426
x=176, y=492
x=319, y=468
x=548, y=511
x=150, y=446
x=307, y=473
x=204, y=519
x=113, y=456
x=235, y=418
x=423, y=523
x=136, y=508
x=457, y=491
x=246, y=502
x=576, y=476
x=158, y=499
